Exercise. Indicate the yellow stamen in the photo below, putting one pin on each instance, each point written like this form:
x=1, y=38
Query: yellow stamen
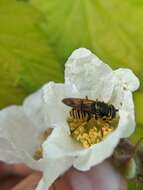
x=39, y=151
x=90, y=131
x=38, y=154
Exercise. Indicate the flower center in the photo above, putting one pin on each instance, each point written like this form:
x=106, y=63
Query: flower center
x=89, y=130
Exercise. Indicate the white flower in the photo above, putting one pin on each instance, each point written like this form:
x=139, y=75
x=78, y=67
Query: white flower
x=21, y=126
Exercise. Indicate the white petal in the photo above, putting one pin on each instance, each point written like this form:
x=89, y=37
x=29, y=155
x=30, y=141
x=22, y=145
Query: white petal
x=55, y=110
x=8, y=152
x=99, y=152
x=60, y=144
x=127, y=78
x=123, y=100
x=17, y=134
x=11, y=154
x=89, y=75
x=80, y=53
x=128, y=106
x=117, y=95
x=35, y=108
x=53, y=170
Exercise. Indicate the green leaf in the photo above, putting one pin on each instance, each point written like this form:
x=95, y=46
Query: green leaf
x=139, y=117
x=134, y=187
x=112, y=29
x=26, y=59
x=139, y=106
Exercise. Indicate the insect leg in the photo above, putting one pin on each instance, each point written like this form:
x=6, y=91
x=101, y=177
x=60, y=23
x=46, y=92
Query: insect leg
x=102, y=133
x=88, y=116
x=81, y=106
x=79, y=114
x=72, y=113
x=76, y=114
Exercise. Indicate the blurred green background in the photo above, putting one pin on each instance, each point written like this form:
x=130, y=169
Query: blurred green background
x=37, y=36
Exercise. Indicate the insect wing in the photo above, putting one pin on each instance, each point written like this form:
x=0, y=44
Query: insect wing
x=76, y=102
x=72, y=102
x=87, y=101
